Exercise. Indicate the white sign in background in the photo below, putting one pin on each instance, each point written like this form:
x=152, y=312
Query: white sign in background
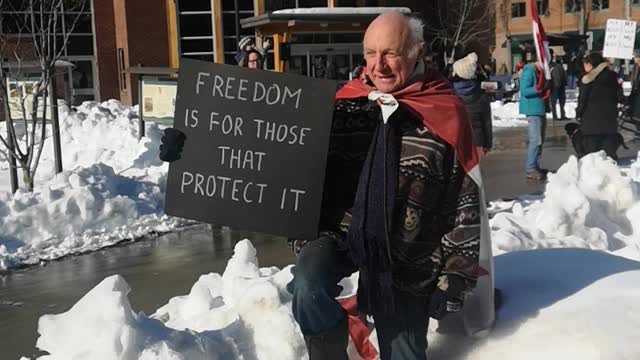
x=619, y=39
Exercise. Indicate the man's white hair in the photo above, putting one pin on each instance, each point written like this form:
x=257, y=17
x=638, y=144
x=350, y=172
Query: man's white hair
x=416, y=29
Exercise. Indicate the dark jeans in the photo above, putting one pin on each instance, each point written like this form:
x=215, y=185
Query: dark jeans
x=320, y=266
x=608, y=143
x=558, y=95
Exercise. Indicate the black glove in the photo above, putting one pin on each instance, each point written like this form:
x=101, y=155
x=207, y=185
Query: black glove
x=447, y=297
x=172, y=144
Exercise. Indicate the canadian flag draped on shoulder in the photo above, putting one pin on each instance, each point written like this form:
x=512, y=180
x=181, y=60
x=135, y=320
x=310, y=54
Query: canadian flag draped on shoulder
x=540, y=40
x=433, y=100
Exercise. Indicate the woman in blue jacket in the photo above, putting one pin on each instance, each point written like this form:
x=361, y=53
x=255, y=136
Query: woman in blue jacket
x=532, y=105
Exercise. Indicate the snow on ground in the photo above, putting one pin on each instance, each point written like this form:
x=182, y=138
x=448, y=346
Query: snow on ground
x=112, y=189
x=565, y=292
x=508, y=114
x=586, y=299
x=589, y=203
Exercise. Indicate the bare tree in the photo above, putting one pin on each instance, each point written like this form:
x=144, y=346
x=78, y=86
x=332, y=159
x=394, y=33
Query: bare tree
x=455, y=23
x=34, y=35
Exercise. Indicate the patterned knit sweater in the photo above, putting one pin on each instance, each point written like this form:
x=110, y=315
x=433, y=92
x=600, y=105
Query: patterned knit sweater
x=436, y=225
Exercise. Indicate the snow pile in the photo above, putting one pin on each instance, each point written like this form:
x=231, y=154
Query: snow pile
x=115, y=332
x=508, y=114
x=564, y=304
x=589, y=203
x=245, y=313
x=112, y=189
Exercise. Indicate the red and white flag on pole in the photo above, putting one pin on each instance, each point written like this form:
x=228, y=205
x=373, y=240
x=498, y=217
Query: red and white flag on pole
x=540, y=40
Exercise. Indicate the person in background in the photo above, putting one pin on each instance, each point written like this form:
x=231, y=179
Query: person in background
x=475, y=101
x=558, y=87
x=571, y=71
x=488, y=70
x=532, y=105
x=254, y=59
x=576, y=69
x=358, y=71
x=598, y=106
x=480, y=74
x=247, y=44
x=634, y=98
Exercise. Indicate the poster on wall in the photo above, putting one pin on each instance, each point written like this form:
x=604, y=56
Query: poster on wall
x=159, y=98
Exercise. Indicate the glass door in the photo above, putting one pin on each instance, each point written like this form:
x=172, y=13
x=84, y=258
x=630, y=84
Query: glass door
x=325, y=61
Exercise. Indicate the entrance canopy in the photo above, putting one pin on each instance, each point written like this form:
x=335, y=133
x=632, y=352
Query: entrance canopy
x=282, y=23
x=565, y=39
x=317, y=19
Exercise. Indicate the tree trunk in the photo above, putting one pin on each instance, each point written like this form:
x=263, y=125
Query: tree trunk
x=27, y=177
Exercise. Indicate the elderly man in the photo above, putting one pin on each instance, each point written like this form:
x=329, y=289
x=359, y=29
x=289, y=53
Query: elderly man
x=401, y=204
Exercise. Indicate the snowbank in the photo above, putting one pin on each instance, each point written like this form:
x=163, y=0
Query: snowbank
x=112, y=189
x=246, y=314
x=564, y=304
x=589, y=203
x=508, y=114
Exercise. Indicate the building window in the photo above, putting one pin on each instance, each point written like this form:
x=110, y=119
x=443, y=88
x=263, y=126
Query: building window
x=518, y=10
x=572, y=6
x=542, y=7
x=635, y=2
x=229, y=23
x=599, y=5
x=122, y=69
x=196, y=29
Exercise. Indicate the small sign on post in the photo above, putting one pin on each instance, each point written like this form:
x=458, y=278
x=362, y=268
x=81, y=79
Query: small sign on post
x=619, y=40
x=255, y=150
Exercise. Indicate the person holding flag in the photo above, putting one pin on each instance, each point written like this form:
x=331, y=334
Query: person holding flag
x=534, y=90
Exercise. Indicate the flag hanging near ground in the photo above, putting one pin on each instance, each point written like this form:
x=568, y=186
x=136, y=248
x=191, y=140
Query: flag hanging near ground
x=540, y=40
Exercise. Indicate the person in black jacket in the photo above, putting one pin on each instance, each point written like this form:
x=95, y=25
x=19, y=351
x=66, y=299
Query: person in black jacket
x=559, y=83
x=598, y=106
x=634, y=98
x=475, y=100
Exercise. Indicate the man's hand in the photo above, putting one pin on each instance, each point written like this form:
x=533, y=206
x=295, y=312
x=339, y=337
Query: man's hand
x=447, y=297
x=172, y=144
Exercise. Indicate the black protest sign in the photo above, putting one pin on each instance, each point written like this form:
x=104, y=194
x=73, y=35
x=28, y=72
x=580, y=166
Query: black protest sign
x=255, y=150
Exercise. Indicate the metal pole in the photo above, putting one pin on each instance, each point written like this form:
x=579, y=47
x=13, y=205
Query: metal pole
x=55, y=123
x=140, y=109
x=237, y=15
x=627, y=7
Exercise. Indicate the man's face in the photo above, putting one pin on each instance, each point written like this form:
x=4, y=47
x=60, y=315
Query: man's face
x=386, y=50
x=636, y=60
x=253, y=62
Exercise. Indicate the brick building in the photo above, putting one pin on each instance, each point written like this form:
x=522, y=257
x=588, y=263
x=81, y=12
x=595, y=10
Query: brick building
x=113, y=36
x=562, y=19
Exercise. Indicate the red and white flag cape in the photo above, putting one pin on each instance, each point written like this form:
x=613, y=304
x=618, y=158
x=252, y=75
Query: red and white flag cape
x=540, y=40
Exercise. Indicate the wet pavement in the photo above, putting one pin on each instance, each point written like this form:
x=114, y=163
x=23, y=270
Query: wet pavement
x=166, y=266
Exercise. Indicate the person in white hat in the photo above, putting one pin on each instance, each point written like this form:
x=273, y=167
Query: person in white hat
x=246, y=46
x=475, y=100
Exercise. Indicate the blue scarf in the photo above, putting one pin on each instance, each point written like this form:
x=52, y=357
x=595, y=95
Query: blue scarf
x=466, y=87
x=371, y=225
